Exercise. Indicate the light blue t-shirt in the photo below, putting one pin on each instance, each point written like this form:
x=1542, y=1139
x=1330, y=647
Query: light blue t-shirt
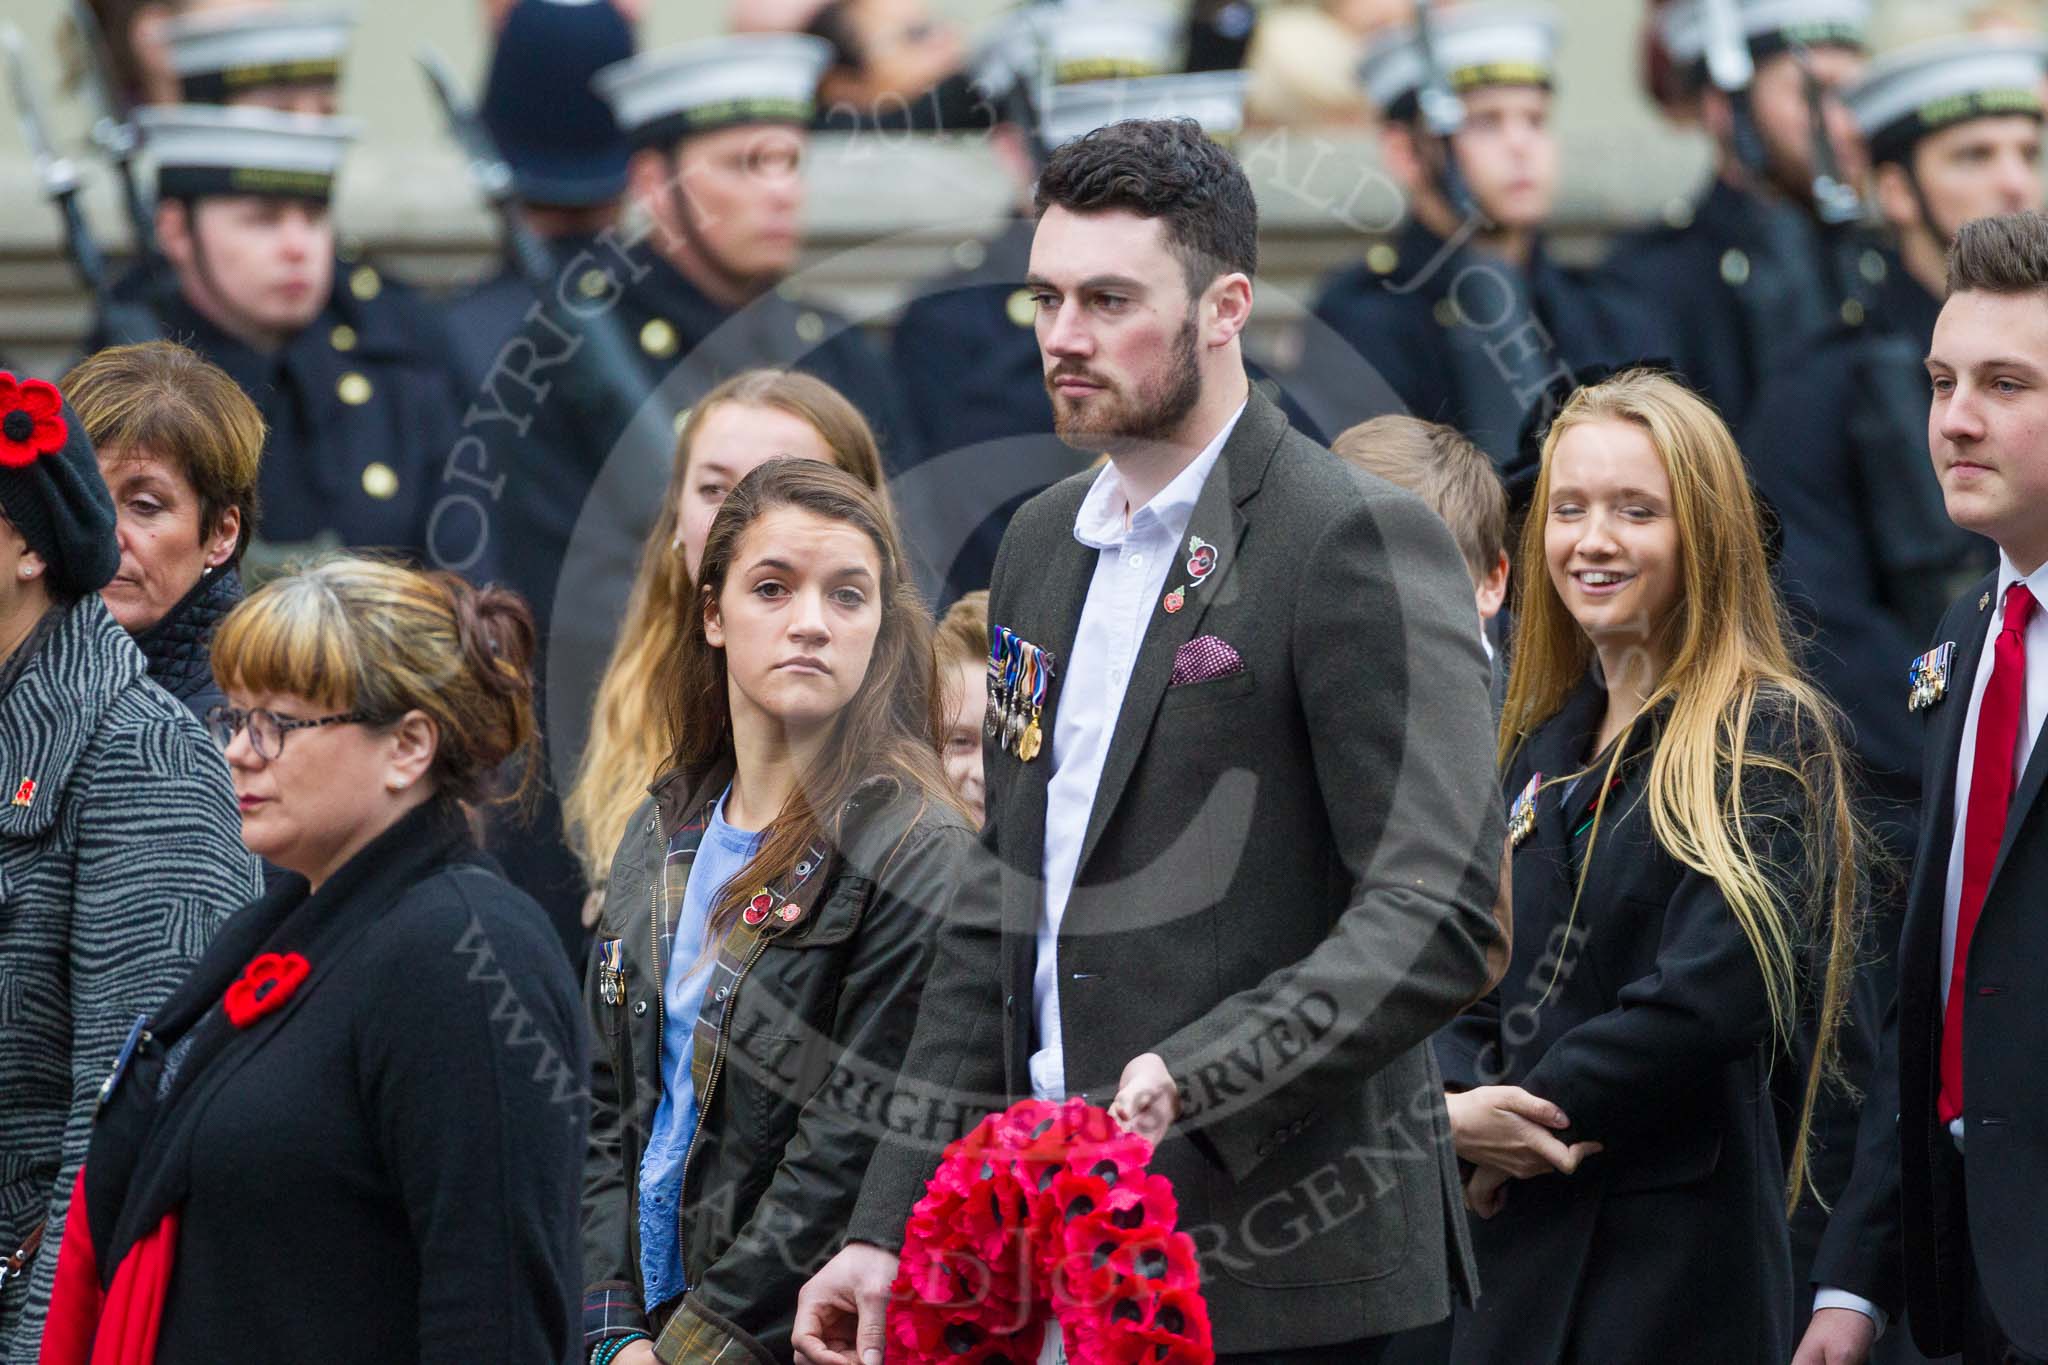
x=721, y=854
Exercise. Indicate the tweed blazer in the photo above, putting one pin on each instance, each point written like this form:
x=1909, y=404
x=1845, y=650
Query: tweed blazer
x=120, y=854
x=1287, y=884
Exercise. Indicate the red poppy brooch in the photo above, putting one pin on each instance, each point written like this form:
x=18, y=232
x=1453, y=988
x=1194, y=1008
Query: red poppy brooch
x=1045, y=1218
x=31, y=420
x=265, y=984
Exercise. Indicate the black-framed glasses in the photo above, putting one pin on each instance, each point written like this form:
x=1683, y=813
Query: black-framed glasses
x=267, y=730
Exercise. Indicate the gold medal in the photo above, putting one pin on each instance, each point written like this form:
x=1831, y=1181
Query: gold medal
x=1029, y=742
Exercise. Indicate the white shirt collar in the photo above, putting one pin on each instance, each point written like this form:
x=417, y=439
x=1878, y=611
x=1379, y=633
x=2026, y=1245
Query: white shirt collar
x=2009, y=574
x=1100, y=523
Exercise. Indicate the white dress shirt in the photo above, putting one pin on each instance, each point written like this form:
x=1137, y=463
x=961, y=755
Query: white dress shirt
x=2036, y=707
x=1134, y=551
x=1966, y=762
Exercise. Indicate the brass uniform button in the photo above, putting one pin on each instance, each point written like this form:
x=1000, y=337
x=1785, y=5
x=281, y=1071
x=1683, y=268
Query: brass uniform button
x=343, y=337
x=969, y=255
x=810, y=328
x=1873, y=267
x=1678, y=214
x=658, y=338
x=1382, y=259
x=1446, y=313
x=1735, y=267
x=592, y=283
x=682, y=420
x=353, y=389
x=365, y=283
x=380, y=481
x=1021, y=308
x=1852, y=312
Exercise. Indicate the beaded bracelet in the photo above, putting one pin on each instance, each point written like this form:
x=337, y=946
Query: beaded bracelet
x=608, y=1350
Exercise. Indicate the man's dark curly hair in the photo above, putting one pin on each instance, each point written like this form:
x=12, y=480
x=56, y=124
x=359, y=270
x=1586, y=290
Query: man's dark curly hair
x=1165, y=169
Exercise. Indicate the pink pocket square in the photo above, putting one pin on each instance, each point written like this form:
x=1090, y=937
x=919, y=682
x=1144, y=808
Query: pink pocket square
x=1204, y=659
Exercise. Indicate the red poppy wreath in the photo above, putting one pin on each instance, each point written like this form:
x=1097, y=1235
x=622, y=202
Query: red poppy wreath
x=31, y=420
x=1045, y=1216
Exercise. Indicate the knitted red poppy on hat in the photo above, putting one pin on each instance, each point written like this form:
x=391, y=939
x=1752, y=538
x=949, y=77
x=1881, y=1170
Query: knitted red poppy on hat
x=31, y=420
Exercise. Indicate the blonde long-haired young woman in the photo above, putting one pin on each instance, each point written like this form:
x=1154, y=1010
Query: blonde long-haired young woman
x=1685, y=891
x=751, y=418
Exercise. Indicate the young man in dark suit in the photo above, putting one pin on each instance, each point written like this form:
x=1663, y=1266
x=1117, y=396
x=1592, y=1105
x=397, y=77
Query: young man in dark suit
x=1952, y=1158
x=1246, y=847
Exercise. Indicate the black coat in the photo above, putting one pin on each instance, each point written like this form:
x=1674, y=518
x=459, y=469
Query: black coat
x=570, y=492
x=1837, y=443
x=384, y=1168
x=178, y=650
x=1480, y=368
x=360, y=409
x=1286, y=885
x=1655, y=1040
x=1741, y=285
x=1909, y=1190
x=813, y=1034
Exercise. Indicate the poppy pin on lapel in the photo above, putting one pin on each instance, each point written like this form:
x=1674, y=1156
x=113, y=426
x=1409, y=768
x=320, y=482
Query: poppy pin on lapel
x=758, y=908
x=26, y=792
x=1927, y=677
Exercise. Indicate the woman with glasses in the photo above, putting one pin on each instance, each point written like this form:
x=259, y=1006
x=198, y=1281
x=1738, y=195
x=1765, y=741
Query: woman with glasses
x=119, y=848
x=353, y=1133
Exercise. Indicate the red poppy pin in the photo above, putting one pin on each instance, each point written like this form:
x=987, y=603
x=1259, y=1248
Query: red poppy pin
x=26, y=792
x=265, y=984
x=31, y=420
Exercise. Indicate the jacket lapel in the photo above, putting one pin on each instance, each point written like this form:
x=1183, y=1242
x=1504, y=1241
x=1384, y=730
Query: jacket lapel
x=1944, y=756
x=1045, y=609
x=2023, y=798
x=1218, y=520
x=1556, y=751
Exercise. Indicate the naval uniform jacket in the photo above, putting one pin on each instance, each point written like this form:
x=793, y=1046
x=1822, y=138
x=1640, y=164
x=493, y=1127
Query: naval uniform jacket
x=571, y=495
x=360, y=410
x=1837, y=443
x=1739, y=284
x=1286, y=885
x=807, y=1043
x=1909, y=1192
x=1644, y=1018
x=1466, y=339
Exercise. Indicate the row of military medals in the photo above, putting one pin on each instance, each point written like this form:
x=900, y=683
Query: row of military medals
x=1018, y=674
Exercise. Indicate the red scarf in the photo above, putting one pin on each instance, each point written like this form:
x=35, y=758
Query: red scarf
x=118, y=1326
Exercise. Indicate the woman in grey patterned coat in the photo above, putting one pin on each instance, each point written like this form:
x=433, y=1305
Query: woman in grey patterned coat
x=120, y=842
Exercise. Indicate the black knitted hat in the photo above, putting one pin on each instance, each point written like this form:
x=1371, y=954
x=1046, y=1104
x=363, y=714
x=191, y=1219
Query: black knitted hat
x=50, y=487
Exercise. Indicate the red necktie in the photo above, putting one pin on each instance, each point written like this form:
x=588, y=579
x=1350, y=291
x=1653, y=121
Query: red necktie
x=1992, y=778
